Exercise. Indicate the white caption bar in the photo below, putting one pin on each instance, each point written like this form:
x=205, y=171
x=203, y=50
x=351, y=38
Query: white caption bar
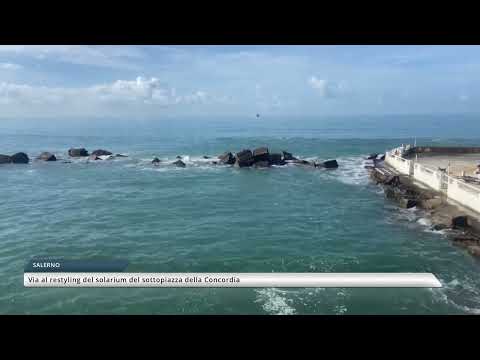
x=215, y=280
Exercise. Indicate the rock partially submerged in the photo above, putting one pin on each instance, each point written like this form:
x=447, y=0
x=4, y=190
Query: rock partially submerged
x=330, y=164
x=288, y=156
x=101, y=152
x=78, y=152
x=276, y=159
x=47, y=156
x=179, y=163
x=244, y=158
x=260, y=154
x=20, y=158
x=5, y=159
x=227, y=158
x=156, y=161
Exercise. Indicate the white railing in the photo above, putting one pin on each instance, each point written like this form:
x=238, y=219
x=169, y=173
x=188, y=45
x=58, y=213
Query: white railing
x=402, y=165
x=427, y=176
x=456, y=189
x=464, y=193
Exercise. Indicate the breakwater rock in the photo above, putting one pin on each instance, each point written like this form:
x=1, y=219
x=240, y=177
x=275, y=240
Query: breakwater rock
x=463, y=229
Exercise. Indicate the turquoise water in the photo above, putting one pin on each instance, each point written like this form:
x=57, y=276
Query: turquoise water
x=206, y=218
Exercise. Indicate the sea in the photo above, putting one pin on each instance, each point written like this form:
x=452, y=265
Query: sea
x=210, y=218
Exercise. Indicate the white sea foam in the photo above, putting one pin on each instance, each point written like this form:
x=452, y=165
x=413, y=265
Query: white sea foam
x=274, y=301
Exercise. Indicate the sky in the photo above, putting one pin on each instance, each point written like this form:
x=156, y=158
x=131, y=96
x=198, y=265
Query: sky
x=50, y=81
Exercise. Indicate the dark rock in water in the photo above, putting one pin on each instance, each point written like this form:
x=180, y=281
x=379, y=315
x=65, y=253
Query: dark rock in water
x=66, y=162
x=5, y=159
x=101, y=152
x=156, y=161
x=459, y=222
x=178, y=157
x=393, y=181
x=227, y=158
x=438, y=227
x=244, y=158
x=80, y=152
x=20, y=158
x=46, y=156
x=94, y=157
x=179, y=163
x=214, y=162
x=408, y=203
x=382, y=158
x=303, y=162
x=276, y=159
x=466, y=240
x=206, y=157
x=288, y=156
x=330, y=164
x=120, y=155
x=372, y=156
x=262, y=164
x=260, y=154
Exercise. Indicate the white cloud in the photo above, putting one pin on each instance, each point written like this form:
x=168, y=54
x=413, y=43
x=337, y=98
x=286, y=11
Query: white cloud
x=110, y=56
x=328, y=89
x=10, y=66
x=141, y=92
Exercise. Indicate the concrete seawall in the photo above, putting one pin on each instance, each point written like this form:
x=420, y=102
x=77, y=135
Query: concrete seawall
x=454, y=188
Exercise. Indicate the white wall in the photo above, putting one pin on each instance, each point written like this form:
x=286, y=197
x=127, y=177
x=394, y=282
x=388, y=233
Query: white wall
x=464, y=194
x=427, y=176
x=403, y=166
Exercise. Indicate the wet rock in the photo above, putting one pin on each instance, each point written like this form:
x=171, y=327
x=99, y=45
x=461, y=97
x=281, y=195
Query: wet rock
x=430, y=204
x=120, y=155
x=466, y=241
x=206, y=157
x=20, y=158
x=101, y=152
x=106, y=157
x=330, y=164
x=372, y=156
x=227, y=158
x=474, y=250
x=288, y=156
x=459, y=222
x=260, y=154
x=382, y=158
x=393, y=181
x=47, y=156
x=303, y=162
x=214, y=162
x=262, y=164
x=179, y=163
x=179, y=157
x=407, y=203
x=80, y=152
x=244, y=158
x=156, y=161
x=438, y=227
x=5, y=159
x=276, y=159
x=94, y=157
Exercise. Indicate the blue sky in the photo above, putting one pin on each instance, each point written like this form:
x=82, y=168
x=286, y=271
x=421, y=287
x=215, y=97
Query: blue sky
x=154, y=81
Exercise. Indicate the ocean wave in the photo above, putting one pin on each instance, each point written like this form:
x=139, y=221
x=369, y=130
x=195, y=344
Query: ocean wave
x=274, y=301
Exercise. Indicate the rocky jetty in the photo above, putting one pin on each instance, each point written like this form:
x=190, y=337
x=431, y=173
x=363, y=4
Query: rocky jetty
x=463, y=229
x=261, y=157
x=47, y=156
x=78, y=152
